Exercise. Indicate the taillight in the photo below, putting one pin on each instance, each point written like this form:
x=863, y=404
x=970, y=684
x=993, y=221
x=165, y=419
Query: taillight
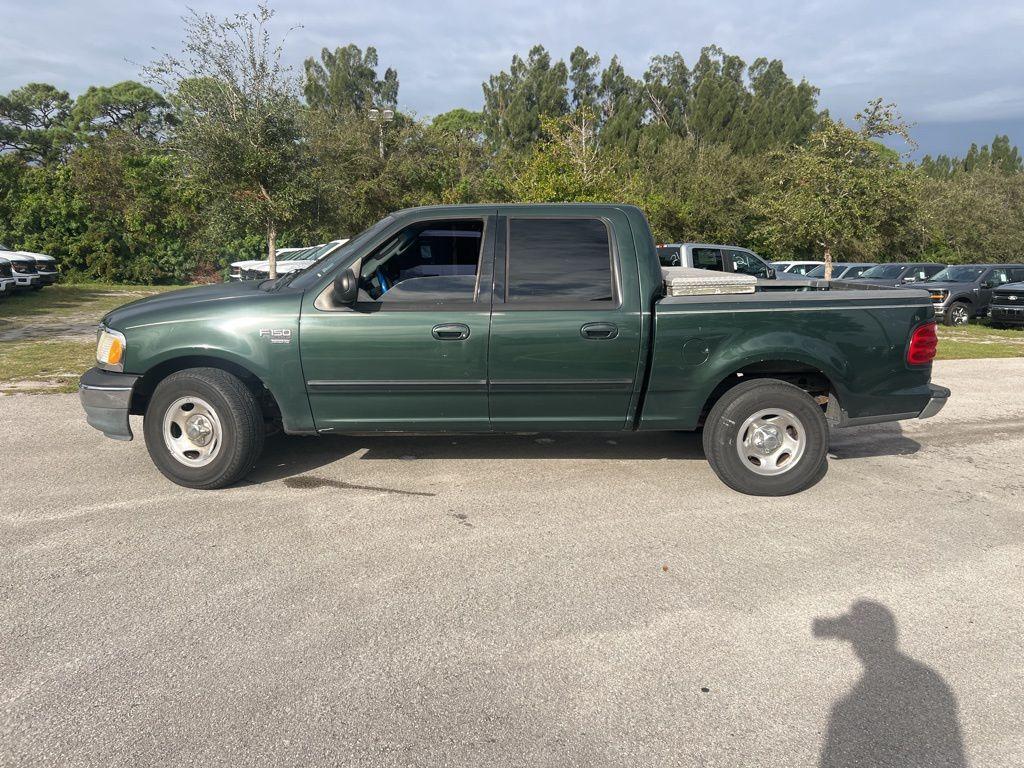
x=923, y=345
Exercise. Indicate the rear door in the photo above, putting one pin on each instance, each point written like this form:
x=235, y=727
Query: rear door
x=566, y=321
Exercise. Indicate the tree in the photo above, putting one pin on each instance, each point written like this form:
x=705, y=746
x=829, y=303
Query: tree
x=583, y=73
x=841, y=193
x=566, y=166
x=516, y=101
x=127, y=106
x=345, y=81
x=237, y=118
x=622, y=106
x=34, y=122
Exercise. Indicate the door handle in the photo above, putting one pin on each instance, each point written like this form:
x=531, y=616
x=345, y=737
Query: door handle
x=450, y=332
x=599, y=331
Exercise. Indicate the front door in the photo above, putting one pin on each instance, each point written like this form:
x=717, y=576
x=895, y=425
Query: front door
x=565, y=329
x=411, y=353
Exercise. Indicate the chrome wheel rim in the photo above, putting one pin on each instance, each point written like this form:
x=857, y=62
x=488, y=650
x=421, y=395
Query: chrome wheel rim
x=959, y=315
x=192, y=431
x=771, y=442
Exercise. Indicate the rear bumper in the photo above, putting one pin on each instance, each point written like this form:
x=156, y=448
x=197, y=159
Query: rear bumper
x=937, y=397
x=106, y=398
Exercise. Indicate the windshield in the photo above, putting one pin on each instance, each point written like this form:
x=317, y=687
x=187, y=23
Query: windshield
x=884, y=271
x=958, y=275
x=819, y=271
x=309, y=277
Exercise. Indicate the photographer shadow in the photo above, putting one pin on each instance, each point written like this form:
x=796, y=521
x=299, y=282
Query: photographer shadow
x=900, y=713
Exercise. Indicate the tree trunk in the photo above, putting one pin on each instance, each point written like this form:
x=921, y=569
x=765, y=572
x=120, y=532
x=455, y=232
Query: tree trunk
x=828, y=262
x=272, y=250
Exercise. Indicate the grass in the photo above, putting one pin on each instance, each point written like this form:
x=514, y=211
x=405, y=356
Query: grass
x=80, y=298
x=59, y=322
x=54, y=364
x=978, y=340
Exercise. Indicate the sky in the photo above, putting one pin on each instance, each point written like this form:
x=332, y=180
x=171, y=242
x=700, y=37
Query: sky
x=953, y=68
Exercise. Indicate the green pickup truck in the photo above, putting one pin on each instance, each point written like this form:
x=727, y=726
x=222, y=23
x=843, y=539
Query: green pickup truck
x=509, y=318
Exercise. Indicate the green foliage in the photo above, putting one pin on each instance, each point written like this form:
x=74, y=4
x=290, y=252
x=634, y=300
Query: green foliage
x=841, y=194
x=228, y=154
x=345, y=81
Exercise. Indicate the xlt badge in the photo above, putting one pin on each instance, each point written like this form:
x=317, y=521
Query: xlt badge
x=277, y=335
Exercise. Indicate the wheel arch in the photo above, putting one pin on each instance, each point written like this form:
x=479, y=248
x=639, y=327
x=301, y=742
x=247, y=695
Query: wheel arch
x=146, y=385
x=807, y=376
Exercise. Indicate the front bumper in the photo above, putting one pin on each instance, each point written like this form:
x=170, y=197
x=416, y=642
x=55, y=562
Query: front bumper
x=106, y=397
x=1003, y=314
x=6, y=285
x=47, y=278
x=25, y=282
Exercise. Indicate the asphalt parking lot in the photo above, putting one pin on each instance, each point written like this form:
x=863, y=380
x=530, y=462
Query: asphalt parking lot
x=528, y=600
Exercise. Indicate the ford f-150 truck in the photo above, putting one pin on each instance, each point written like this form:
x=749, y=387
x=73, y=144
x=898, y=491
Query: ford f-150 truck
x=509, y=318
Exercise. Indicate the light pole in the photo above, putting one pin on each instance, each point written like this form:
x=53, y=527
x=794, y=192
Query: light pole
x=380, y=117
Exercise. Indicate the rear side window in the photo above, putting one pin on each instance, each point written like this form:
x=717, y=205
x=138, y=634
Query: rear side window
x=708, y=258
x=559, y=260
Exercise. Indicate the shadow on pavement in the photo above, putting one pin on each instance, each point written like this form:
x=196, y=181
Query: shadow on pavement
x=900, y=713
x=885, y=439
x=287, y=456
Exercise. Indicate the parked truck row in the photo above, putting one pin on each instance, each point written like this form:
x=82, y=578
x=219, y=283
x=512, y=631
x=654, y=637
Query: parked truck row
x=511, y=318
x=25, y=271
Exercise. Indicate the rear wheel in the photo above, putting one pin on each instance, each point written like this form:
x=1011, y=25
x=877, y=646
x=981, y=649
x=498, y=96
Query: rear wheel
x=767, y=438
x=958, y=314
x=204, y=428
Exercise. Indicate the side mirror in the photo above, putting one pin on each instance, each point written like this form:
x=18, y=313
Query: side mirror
x=346, y=287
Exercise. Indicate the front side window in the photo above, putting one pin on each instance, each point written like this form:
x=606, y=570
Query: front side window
x=997, y=277
x=426, y=261
x=559, y=260
x=708, y=258
x=748, y=264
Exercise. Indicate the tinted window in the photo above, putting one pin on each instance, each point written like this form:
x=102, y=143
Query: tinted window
x=800, y=269
x=748, y=264
x=855, y=272
x=996, y=277
x=426, y=261
x=884, y=271
x=708, y=258
x=1017, y=275
x=669, y=255
x=958, y=274
x=566, y=260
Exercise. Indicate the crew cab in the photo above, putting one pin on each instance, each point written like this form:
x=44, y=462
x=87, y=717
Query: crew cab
x=509, y=318
x=964, y=291
x=719, y=258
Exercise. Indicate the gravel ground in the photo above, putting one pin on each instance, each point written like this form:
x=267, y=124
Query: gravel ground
x=529, y=600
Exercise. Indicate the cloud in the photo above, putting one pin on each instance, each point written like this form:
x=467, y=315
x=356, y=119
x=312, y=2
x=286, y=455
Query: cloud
x=940, y=61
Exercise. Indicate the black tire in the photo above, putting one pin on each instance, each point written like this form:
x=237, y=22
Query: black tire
x=958, y=314
x=724, y=422
x=241, y=423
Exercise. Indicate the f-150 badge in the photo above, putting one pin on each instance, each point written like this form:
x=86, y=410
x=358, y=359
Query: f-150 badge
x=277, y=335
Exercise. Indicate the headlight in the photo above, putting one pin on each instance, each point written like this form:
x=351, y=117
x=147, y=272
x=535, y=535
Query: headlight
x=110, y=347
x=939, y=296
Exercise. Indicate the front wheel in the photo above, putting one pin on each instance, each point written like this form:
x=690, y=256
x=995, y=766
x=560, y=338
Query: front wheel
x=204, y=428
x=767, y=438
x=958, y=314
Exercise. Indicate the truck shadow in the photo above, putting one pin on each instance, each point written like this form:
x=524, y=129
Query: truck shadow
x=287, y=456
x=885, y=439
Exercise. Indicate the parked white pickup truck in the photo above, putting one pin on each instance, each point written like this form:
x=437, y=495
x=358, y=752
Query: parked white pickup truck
x=289, y=260
x=720, y=258
x=6, y=277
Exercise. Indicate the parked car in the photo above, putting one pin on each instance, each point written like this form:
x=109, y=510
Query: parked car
x=7, y=281
x=841, y=270
x=238, y=269
x=23, y=269
x=543, y=319
x=295, y=261
x=720, y=258
x=1006, y=307
x=46, y=266
x=963, y=291
x=796, y=268
x=900, y=274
